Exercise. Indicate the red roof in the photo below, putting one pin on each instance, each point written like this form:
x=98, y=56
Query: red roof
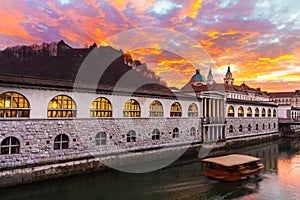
x=222, y=87
x=281, y=94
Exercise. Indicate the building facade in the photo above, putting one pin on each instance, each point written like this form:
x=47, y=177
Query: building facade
x=43, y=119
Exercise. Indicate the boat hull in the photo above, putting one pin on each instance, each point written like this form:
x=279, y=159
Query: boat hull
x=226, y=175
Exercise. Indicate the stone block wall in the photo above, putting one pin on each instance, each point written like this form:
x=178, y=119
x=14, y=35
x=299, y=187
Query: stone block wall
x=37, y=136
x=245, y=121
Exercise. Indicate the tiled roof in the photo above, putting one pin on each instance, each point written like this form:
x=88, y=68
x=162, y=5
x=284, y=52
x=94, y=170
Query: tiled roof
x=222, y=87
x=281, y=94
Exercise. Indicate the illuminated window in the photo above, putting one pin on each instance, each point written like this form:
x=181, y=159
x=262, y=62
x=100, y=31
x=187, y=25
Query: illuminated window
x=156, y=109
x=100, y=139
x=263, y=112
x=230, y=129
x=241, y=112
x=131, y=136
x=193, y=131
x=175, y=133
x=249, y=112
x=274, y=113
x=230, y=112
x=131, y=109
x=193, y=110
x=10, y=145
x=256, y=112
x=269, y=113
x=175, y=110
x=62, y=106
x=101, y=107
x=155, y=134
x=13, y=105
x=61, y=142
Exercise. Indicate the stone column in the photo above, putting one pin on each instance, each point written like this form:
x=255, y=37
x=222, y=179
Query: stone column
x=204, y=107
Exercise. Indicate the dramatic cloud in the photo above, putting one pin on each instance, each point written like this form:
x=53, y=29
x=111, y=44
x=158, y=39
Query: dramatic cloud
x=260, y=38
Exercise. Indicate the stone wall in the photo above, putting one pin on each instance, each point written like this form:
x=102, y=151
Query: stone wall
x=37, y=137
x=245, y=121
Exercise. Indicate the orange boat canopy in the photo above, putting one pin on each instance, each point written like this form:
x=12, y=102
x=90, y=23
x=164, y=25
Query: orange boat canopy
x=231, y=160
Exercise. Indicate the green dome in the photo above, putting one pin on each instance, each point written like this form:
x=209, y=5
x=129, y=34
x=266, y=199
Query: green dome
x=198, y=77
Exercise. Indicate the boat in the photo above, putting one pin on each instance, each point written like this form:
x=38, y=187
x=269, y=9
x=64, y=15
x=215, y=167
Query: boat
x=233, y=167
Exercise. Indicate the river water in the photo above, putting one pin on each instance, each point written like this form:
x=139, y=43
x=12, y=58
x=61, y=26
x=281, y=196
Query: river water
x=182, y=180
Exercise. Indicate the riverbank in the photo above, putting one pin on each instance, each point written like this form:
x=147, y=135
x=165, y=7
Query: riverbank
x=17, y=176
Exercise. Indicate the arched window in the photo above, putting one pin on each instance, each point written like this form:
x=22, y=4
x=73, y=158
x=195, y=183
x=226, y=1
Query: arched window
x=230, y=112
x=175, y=110
x=241, y=112
x=131, y=136
x=155, y=134
x=269, y=113
x=131, y=108
x=249, y=127
x=269, y=126
x=156, y=109
x=274, y=125
x=274, y=113
x=62, y=106
x=175, y=133
x=13, y=105
x=193, y=132
x=256, y=127
x=256, y=112
x=230, y=129
x=263, y=112
x=263, y=126
x=249, y=112
x=61, y=142
x=10, y=145
x=241, y=128
x=100, y=139
x=193, y=110
x=101, y=107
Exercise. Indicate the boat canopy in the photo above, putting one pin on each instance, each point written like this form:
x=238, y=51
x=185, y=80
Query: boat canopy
x=231, y=160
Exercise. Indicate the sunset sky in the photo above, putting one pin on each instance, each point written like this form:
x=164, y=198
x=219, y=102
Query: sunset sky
x=260, y=38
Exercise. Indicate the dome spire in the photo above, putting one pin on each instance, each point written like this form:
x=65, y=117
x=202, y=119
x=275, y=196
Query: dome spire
x=210, y=77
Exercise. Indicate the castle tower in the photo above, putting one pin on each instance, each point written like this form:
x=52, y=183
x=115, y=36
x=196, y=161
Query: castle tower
x=228, y=79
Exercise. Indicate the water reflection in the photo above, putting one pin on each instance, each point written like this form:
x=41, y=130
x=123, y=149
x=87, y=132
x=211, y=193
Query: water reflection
x=183, y=180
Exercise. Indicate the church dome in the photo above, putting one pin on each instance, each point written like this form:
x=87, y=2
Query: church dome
x=198, y=77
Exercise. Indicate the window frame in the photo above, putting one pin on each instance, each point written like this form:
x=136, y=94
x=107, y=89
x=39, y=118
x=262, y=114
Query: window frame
x=154, y=109
x=61, y=111
x=193, y=110
x=155, y=135
x=230, y=114
x=131, y=136
x=131, y=108
x=101, y=139
x=59, y=140
x=175, y=133
x=97, y=110
x=14, y=109
x=176, y=112
x=10, y=146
